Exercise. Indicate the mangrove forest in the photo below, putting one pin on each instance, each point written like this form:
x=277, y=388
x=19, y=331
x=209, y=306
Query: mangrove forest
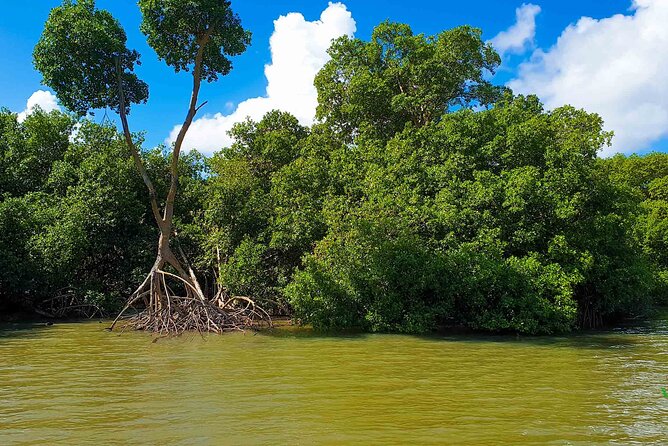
x=423, y=197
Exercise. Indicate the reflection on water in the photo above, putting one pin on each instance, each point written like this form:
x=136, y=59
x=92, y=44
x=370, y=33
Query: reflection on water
x=78, y=384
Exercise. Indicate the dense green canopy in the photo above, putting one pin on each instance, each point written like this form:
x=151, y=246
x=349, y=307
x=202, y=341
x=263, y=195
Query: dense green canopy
x=424, y=197
x=74, y=222
x=398, y=77
x=77, y=35
x=176, y=29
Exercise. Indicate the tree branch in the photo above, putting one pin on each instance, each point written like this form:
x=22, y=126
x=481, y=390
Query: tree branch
x=192, y=110
x=133, y=149
x=201, y=105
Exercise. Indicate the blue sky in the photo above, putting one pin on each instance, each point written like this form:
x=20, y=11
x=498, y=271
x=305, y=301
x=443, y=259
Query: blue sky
x=541, y=65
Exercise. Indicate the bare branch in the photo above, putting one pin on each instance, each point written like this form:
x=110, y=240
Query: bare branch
x=133, y=149
x=192, y=110
x=200, y=106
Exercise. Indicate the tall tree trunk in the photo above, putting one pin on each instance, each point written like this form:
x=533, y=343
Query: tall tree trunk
x=165, y=311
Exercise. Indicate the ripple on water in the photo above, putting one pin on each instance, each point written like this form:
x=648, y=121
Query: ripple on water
x=77, y=384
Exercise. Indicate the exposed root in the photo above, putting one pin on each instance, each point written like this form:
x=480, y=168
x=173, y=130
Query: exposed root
x=169, y=314
x=69, y=304
x=188, y=314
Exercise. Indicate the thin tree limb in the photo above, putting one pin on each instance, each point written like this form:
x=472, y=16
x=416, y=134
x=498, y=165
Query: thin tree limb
x=133, y=149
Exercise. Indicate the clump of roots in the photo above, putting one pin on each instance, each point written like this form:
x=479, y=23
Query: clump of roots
x=69, y=303
x=165, y=312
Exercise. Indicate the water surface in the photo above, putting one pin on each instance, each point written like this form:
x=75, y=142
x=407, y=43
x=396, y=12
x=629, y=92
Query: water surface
x=78, y=384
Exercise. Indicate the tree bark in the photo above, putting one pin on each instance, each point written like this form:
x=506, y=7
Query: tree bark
x=133, y=149
x=165, y=311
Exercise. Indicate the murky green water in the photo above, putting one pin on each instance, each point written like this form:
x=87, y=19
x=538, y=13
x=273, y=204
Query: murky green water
x=77, y=384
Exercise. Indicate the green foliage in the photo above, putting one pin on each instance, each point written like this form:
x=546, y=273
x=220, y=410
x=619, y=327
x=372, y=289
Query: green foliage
x=240, y=209
x=30, y=149
x=496, y=220
x=646, y=179
x=176, y=29
x=393, y=220
x=73, y=212
x=373, y=274
x=81, y=54
x=20, y=219
x=425, y=197
x=398, y=77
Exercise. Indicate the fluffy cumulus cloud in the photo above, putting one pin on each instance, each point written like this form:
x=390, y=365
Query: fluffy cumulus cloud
x=45, y=100
x=614, y=66
x=519, y=37
x=298, y=52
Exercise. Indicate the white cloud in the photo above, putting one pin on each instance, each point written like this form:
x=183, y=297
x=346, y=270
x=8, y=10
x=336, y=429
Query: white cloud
x=614, y=66
x=298, y=52
x=45, y=100
x=520, y=36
